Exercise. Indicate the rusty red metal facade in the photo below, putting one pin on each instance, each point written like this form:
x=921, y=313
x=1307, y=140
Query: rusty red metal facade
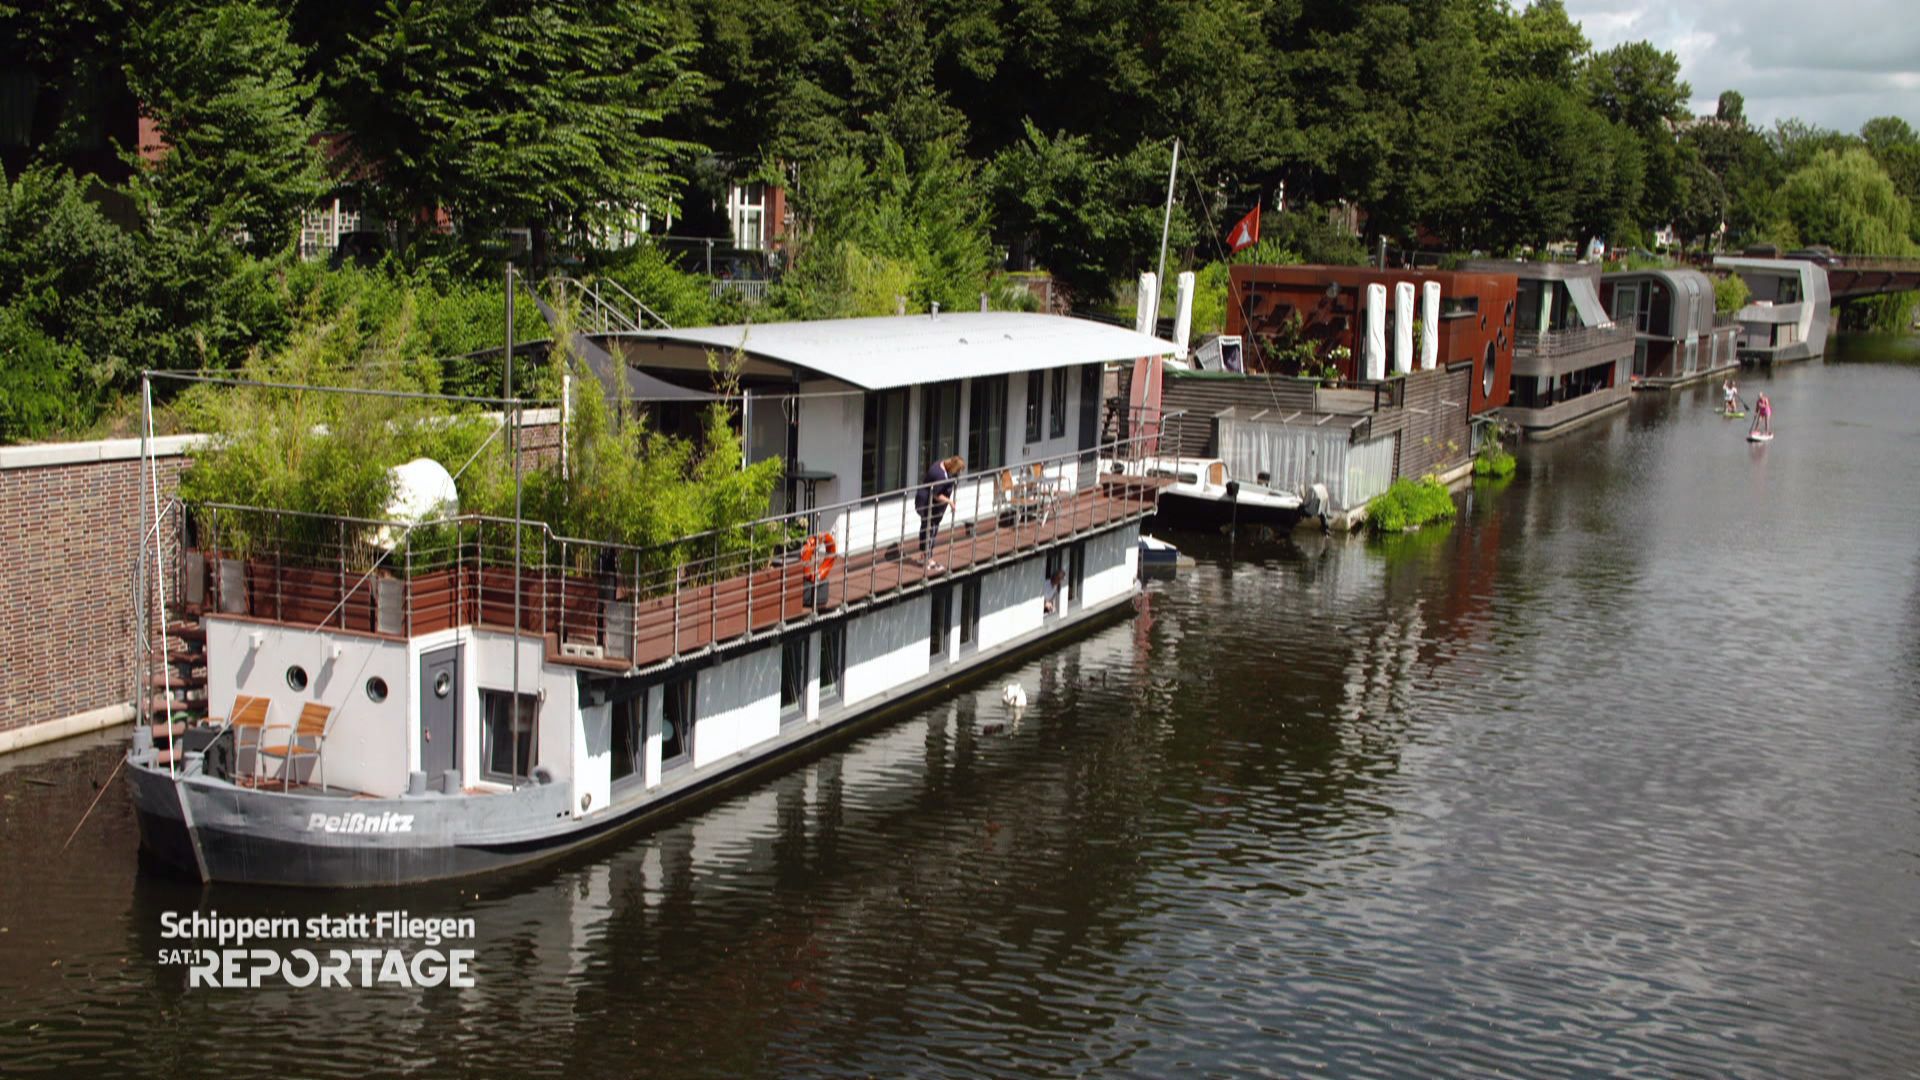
x=1476, y=322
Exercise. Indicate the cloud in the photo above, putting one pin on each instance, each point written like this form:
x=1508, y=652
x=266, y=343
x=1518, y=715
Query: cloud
x=1835, y=64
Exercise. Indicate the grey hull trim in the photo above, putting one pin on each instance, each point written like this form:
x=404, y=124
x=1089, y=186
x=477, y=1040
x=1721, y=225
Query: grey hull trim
x=231, y=834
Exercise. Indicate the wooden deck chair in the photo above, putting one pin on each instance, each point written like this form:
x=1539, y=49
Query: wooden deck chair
x=249, y=715
x=311, y=726
x=1003, y=492
x=1044, y=493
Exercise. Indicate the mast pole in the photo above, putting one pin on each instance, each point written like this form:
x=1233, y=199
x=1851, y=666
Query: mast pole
x=1166, y=221
x=140, y=627
x=513, y=448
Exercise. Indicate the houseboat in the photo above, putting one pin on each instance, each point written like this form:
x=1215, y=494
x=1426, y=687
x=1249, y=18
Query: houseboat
x=1787, y=312
x=1363, y=320
x=1678, y=337
x=1402, y=363
x=1571, y=360
x=412, y=702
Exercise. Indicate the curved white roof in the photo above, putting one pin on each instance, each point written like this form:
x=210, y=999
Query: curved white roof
x=905, y=350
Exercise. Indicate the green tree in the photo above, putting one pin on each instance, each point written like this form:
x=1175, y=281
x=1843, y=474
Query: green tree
x=1893, y=143
x=1745, y=172
x=1560, y=169
x=547, y=115
x=1844, y=199
x=864, y=227
x=1638, y=88
x=72, y=299
x=1091, y=220
x=240, y=130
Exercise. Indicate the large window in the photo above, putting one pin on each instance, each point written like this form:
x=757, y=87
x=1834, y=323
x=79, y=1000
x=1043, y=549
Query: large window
x=627, y=742
x=987, y=424
x=1036, y=403
x=833, y=658
x=793, y=678
x=1057, y=413
x=883, y=443
x=939, y=424
x=506, y=735
x=676, y=723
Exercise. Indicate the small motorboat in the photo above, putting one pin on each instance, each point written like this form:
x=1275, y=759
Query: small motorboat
x=1201, y=495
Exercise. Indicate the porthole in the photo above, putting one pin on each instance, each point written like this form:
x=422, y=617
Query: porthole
x=297, y=677
x=1486, y=374
x=442, y=684
x=376, y=689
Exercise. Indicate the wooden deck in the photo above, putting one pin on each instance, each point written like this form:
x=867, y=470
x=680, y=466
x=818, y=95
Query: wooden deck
x=596, y=615
x=761, y=603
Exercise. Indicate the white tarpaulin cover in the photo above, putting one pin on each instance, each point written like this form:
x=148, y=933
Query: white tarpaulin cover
x=1429, y=325
x=1403, y=327
x=1295, y=455
x=1375, y=349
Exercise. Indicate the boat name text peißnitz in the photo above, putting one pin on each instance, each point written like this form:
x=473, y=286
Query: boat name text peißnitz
x=388, y=822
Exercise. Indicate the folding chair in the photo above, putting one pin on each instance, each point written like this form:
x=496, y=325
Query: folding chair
x=312, y=725
x=249, y=714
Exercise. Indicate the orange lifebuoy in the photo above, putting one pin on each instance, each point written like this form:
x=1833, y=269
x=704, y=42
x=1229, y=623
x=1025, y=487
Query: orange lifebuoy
x=823, y=546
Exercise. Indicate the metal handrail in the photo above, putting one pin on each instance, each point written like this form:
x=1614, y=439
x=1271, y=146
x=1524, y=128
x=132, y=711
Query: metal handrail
x=1564, y=342
x=657, y=580
x=611, y=318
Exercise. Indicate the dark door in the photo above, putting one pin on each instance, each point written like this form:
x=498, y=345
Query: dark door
x=440, y=711
x=1090, y=375
x=1076, y=572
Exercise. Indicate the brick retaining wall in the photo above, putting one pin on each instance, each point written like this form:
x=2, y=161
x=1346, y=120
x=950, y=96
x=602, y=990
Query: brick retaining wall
x=69, y=533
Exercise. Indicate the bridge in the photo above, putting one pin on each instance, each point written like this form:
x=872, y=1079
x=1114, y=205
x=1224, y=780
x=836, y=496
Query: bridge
x=1852, y=277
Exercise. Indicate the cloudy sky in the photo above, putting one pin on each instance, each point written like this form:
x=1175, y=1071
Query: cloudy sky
x=1836, y=63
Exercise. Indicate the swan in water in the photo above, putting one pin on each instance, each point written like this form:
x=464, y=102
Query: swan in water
x=1014, y=696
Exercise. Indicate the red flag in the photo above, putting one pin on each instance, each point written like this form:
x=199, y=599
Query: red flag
x=1245, y=232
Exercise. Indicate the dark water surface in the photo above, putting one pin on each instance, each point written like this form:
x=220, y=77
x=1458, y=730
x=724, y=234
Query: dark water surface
x=1617, y=775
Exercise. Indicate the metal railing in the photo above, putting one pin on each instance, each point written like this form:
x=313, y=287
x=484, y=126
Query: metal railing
x=1566, y=342
x=645, y=606
x=752, y=290
x=599, y=311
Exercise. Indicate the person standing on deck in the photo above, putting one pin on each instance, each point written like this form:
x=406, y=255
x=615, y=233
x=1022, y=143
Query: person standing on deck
x=931, y=502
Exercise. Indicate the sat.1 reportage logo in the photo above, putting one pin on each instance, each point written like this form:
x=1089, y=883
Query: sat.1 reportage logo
x=386, y=948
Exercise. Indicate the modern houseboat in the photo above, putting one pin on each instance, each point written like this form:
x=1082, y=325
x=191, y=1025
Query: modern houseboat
x=1678, y=337
x=1370, y=316
x=1401, y=363
x=1571, y=360
x=1787, y=312
x=402, y=701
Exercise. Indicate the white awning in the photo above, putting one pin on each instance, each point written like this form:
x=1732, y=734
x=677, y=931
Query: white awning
x=889, y=351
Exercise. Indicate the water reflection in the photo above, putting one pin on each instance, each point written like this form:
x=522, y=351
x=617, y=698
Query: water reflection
x=1619, y=772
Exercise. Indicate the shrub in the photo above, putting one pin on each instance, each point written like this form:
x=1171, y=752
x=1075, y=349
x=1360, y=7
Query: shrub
x=1730, y=293
x=1409, y=504
x=1494, y=462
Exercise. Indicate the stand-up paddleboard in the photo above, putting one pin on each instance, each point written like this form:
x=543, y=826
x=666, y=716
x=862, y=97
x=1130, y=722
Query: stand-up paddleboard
x=1734, y=415
x=1759, y=436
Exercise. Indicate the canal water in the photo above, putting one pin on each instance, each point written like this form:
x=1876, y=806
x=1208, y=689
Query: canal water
x=1619, y=774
